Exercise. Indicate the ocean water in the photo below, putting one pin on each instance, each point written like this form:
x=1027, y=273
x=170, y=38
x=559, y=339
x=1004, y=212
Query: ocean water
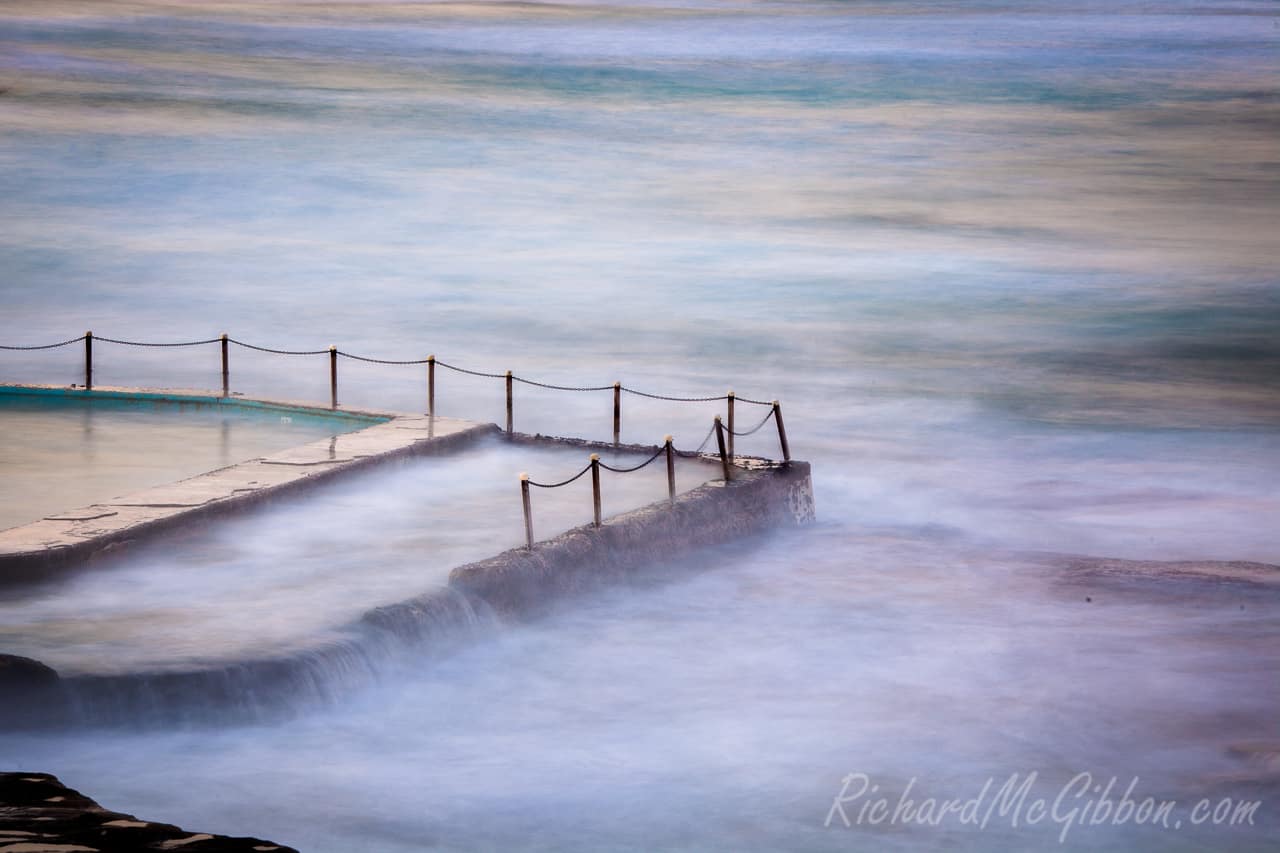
x=1010, y=267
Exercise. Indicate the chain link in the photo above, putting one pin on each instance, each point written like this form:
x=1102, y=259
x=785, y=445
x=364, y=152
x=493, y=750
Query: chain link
x=674, y=399
x=472, y=372
x=45, y=346
x=382, y=360
x=661, y=450
x=278, y=351
x=144, y=344
x=754, y=429
x=710, y=433
x=563, y=387
x=562, y=482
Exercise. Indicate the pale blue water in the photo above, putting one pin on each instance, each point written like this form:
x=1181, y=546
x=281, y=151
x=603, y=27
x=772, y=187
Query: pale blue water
x=1010, y=266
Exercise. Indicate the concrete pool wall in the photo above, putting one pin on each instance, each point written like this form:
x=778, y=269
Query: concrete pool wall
x=520, y=583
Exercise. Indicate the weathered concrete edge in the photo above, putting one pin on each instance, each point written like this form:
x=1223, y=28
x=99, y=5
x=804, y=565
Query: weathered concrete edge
x=516, y=584
x=33, y=565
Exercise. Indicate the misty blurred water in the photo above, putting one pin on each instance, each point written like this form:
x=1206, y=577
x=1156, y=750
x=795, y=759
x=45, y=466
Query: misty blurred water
x=300, y=572
x=1009, y=265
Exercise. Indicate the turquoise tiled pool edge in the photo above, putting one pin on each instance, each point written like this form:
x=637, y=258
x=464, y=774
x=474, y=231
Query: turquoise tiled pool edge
x=197, y=398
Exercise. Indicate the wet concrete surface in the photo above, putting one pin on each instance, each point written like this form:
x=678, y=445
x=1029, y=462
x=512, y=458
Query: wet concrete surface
x=58, y=539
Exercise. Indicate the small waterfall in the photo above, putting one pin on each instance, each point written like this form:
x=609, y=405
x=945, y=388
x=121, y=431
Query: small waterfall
x=371, y=648
x=643, y=543
x=441, y=616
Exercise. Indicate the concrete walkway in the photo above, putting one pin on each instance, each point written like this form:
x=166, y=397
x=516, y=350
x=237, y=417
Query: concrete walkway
x=32, y=550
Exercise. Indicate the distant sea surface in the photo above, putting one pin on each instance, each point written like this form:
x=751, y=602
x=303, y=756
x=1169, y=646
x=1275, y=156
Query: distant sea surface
x=1011, y=268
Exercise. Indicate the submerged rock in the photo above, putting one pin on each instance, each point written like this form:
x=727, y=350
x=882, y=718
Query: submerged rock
x=1261, y=760
x=1220, y=571
x=37, y=812
x=19, y=673
x=1237, y=582
x=33, y=693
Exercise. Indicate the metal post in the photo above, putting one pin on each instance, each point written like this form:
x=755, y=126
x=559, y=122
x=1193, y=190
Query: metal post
x=88, y=361
x=528, y=513
x=226, y=370
x=671, y=471
x=730, y=398
x=617, y=413
x=509, y=403
x=333, y=377
x=595, y=485
x=782, y=431
x=724, y=457
x=431, y=386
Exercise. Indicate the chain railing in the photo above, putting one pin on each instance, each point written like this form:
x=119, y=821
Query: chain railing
x=723, y=434
x=594, y=465
x=718, y=430
x=224, y=341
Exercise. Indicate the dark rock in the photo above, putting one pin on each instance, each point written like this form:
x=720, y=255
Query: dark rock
x=33, y=693
x=38, y=810
x=19, y=673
